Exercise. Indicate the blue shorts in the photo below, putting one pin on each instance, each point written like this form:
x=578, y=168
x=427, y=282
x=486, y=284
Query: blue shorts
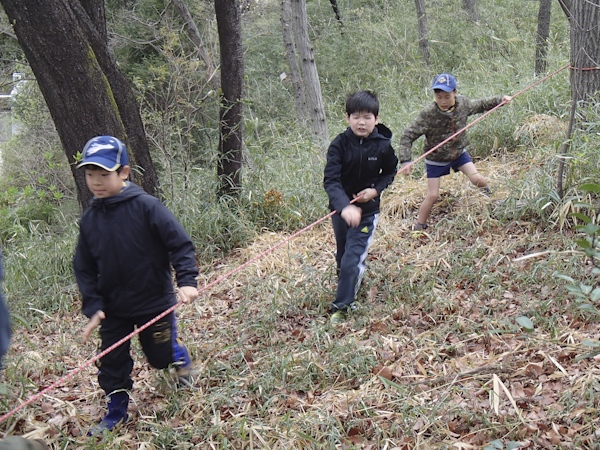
x=440, y=171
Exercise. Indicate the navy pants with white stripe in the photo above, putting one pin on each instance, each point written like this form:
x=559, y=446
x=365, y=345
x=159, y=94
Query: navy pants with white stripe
x=352, y=247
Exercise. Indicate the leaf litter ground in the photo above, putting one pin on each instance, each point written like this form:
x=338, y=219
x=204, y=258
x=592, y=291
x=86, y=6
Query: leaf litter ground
x=432, y=358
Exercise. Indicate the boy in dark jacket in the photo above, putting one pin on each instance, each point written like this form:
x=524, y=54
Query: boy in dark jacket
x=128, y=241
x=438, y=121
x=361, y=163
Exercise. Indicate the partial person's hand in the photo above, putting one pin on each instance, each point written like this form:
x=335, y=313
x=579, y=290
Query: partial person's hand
x=366, y=195
x=187, y=294
x=351, y=214
x=406, y=171
x=92, y=324
x=507, y=98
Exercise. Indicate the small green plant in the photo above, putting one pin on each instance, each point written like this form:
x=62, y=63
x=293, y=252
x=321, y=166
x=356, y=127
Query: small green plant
x=587, y=295
x=497, y=444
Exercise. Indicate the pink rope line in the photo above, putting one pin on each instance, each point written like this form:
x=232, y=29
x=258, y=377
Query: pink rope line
x=237, y=269
x=584, y=68
x=157, y=318
x=478, y=119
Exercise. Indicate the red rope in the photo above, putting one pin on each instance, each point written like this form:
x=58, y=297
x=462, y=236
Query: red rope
x=585, y=68
x=478, y=119
x=157, y=318
x=237, y=269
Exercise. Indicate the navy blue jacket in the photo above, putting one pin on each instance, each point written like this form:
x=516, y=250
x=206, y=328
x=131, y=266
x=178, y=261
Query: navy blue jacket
x=355, y=163
x=126, y=247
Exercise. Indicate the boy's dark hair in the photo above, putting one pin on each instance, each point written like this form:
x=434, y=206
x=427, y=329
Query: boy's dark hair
x=95, y=167
x=362, y=101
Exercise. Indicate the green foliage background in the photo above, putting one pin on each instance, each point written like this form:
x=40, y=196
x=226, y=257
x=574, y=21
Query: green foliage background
x=278, y=316
x=375, y=48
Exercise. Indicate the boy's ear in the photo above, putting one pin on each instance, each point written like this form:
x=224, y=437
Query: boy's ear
x=347, y=119
x=376, y=119
x=124, y=174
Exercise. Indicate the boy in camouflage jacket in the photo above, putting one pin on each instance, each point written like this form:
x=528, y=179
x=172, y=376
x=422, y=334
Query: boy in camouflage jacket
x=438, y=121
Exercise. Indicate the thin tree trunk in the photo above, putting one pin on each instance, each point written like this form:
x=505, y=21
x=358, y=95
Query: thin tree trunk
x=314, y=98
x=471, y=8
x=65, y=45
x=232, y=78
x=336, y=11
x=563, y=152
x=566, y=7
x=96, y=11
x=196, y=38
x=292, y=59
x=144, y=172
x=585, y=50
x=422, y=30
x=70, y=77
x=543, y=33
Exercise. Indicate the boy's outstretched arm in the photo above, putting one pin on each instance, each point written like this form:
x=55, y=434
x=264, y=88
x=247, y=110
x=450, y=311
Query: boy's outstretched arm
x=413, y=132
x=332, y=183
x=351, y=215
x=93, y=324
x=389, y=168
x=187, y=294
x=86, y=274
x=178, y=243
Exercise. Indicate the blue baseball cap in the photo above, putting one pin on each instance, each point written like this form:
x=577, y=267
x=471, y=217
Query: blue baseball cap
x=105, y=151
x=445, y=82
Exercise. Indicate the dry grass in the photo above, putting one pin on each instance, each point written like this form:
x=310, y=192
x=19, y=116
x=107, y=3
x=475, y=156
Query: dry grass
x=431, y=359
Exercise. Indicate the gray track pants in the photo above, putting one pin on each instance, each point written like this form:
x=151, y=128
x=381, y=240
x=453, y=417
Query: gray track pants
x=352, y=247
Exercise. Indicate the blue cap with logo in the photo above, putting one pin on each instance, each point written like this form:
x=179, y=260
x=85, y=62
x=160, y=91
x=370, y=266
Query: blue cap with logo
x=105, y=151
x=445, y=82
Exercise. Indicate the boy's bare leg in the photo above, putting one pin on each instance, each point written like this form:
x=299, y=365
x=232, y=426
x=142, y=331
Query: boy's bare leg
x=433, y=192
x=475, y=177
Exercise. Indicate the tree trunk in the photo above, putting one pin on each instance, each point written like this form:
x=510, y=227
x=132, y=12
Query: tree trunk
x=563, y=151
x=336, y=11
x=422, y=29
x=144, y=171
x=543, y=32
x=314, y=98
x=471, y=8
x=85, y=93
x=196, y=38
x=585, y=50
x=95, y=10
x=566, y=7
x=292, y=59
x=232, y=78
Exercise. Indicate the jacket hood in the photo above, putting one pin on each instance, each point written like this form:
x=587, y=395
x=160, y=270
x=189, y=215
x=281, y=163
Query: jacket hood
x=130, y=191
x=380, y=132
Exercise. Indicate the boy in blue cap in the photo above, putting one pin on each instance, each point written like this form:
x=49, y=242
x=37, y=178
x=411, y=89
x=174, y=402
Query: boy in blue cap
x=128, y=241
x=361, y=163
x=438, y=121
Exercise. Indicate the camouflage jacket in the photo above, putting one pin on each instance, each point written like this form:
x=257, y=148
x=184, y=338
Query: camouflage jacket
x=438, y=126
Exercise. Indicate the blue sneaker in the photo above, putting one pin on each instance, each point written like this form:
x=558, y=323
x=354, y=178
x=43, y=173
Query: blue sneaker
x=117, y=403
x=184, y=367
